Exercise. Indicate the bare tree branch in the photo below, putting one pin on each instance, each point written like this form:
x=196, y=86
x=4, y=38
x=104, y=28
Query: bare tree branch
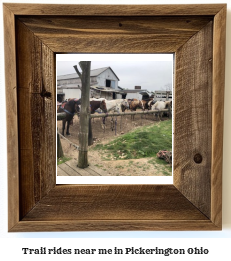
x=167, y=87
x=77, y=71
x=81, y=64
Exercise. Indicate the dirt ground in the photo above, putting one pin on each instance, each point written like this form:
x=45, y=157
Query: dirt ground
x=131, y=167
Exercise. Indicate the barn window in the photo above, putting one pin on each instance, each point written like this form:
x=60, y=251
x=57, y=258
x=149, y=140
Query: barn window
x=108, y=83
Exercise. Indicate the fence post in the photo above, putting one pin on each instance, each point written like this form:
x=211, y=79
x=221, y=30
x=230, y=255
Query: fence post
x=84, y=113
x=59, y=147
x=90, y=136
x=170, y=112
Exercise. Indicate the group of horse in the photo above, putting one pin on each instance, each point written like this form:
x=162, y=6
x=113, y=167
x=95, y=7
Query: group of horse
x=72, y=106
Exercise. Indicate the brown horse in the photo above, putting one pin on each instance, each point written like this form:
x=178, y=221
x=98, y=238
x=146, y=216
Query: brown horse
x=70, y=108
x=94, y=105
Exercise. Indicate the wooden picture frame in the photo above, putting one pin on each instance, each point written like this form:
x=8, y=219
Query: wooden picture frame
x=33, y=34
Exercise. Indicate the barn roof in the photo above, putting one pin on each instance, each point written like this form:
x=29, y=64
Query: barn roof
x=134, y=91
x=70, y=86
x=94, y=72
x=103, y=89
x=145, y=92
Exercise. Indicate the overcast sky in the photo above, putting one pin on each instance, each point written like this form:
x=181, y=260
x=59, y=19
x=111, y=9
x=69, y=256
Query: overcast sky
x=151, y=72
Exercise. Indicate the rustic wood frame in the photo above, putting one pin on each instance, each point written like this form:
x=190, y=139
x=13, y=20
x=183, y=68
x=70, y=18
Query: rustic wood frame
x=33, y=34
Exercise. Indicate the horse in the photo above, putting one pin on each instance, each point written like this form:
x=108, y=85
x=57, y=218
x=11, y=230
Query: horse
x=94, y=105
x=160, y=105
x=113, y=105
x=150, y=103
x=97, y=99
x=134, y=104
x=58, y=105
x=70, y=108
x=122, y=106
x=146, y=103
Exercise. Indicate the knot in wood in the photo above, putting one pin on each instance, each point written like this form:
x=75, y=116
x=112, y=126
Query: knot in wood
x=198, y=158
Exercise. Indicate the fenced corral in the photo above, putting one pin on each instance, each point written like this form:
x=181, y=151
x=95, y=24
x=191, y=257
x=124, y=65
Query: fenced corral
x=125, y=126
x=87, y=114
x=99, y=115
x=62, y=115
x=112, y=124
x=113, y=116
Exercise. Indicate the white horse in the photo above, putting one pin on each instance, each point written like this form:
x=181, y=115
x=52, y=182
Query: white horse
x=115, y=105
x=161, y=105
x=122, y=106
x=97, y=99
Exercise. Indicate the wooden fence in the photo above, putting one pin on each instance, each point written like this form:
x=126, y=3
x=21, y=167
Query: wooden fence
x=62, y=115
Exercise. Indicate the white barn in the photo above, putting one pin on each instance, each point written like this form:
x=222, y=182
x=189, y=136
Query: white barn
x=103, y=83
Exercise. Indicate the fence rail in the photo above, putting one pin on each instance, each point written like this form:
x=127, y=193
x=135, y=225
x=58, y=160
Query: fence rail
x=62, y=115
x=126, y=113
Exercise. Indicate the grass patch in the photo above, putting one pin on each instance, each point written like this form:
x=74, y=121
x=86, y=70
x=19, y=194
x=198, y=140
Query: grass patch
x=162, y=166
x=141, y=143
x=99, y=166
x=62, y=160
x=119, y=167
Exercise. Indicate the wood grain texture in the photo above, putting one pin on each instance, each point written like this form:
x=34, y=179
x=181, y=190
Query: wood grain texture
x=115, y=10
x=193, y=126
x=115, y=34
x=35, y=67
x=194, y=201
x=84, y=113
x=115, y=207
x=114, y=225
x=218, y=115
x=108, y=202
x=12, y=117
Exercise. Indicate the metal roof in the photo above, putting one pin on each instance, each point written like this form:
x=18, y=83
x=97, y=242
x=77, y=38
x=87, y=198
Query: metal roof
x=145, y=92
x=70, y=86
x=134, y=91
x=93, y=73
x=103, y=89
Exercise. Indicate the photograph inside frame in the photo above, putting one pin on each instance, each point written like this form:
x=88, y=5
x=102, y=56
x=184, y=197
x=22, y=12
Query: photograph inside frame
x=130, y=125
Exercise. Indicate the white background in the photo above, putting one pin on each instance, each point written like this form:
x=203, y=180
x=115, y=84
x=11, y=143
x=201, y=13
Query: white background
x=218, y=243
